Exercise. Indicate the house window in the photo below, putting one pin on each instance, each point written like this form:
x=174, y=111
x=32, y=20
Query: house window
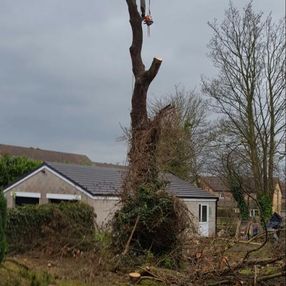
x=203, y=213
x=26, y=198
x=21, y=201
x=58, y=201
x=253, y=212
x=58, y=198
x=221, y=196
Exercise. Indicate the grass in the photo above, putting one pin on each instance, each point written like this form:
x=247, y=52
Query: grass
x=246, y=271
x=264, y=271
x=15, y=274
x=93, y=267
x=150, y=283
x=28, y=271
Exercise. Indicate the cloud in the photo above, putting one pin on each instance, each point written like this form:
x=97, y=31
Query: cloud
x=65, y=73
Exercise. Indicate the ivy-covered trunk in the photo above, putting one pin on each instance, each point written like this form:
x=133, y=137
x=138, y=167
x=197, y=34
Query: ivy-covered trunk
x=238, y=195
x=150, y=219
x=236, y=188
x=144, y=131
x=265, y=205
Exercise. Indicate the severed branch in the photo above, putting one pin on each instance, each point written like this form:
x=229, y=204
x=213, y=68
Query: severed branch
x=130, y=237
x=126, y=249
x=153, y=70
x=146, y=273
x=162, y=112
x=272, y=276
x=150, y=278
x=231, y=269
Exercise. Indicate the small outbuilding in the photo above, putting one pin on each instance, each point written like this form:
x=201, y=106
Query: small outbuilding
x=99, y=186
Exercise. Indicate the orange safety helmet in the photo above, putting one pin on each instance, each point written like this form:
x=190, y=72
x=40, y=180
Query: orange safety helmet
x=148, y=20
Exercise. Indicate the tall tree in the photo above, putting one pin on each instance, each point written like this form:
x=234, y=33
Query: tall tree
x=144, y=131
x=147, y=212
x=249, y=54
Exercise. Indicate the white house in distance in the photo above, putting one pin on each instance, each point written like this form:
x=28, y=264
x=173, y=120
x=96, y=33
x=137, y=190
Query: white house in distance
x=99, y=186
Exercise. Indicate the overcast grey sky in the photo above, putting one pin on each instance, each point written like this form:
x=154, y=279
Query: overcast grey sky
x=65, y=71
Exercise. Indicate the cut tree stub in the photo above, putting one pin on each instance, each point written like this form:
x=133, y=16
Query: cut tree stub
x=134, y=277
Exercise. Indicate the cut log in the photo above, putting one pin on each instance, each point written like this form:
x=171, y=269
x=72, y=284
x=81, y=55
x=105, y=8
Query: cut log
x=134, y=277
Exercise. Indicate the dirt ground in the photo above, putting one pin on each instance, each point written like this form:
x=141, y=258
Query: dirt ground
x=206, y=255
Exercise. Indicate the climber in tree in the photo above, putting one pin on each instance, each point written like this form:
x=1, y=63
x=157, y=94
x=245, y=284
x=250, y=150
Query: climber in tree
x=143, y=8
x=146, y=18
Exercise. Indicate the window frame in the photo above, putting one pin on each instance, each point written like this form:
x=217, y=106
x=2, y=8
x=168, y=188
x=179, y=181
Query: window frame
x=203, y=212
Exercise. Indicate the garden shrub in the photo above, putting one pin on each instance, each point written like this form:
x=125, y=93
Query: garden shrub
x=52, y=228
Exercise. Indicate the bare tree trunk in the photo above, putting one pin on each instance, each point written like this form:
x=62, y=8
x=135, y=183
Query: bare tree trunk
x=144, y=132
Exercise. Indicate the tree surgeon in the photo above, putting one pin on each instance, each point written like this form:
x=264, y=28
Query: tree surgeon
x=148, y=20
x=143, y=8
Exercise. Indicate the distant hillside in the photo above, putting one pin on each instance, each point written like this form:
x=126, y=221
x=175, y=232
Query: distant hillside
x=44, y=155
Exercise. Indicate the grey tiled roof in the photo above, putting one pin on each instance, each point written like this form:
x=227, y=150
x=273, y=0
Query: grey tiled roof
x=184, y=189
x=99, y=180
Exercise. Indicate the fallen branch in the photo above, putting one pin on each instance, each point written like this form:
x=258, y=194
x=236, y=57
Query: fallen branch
x=222, y=282
x=249, y=242
x=230, y=280
x=269, y=277
x=126, y=249
x=260, y=235
x=147, y=270
x=264, y=261
x=150, y=278
x=241, y=265
x=16, y=262
x=130, y=237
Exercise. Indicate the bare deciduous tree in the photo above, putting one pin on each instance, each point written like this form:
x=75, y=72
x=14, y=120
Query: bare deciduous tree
x=185, y=134
x=249, y=54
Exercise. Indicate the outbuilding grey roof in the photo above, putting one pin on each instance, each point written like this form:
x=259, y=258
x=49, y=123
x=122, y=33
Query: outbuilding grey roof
x=184, y=189
x=107, y=181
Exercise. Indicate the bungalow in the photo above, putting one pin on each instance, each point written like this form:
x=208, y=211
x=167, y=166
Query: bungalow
x=99, y=187
x=216, y=186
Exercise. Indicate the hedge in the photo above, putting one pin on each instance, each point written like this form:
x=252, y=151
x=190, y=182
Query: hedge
x=50, y=228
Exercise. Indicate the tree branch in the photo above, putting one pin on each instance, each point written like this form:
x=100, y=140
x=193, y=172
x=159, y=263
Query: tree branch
x=137, y=38
x=154, y=68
